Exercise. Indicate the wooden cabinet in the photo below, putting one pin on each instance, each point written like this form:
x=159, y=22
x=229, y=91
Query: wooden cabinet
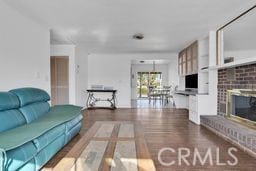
x=181, y=101
x=188, y=60
x=194, y=54
x=184, y=64
x=180, y=64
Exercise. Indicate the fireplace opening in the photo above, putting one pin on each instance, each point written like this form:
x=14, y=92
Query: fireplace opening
x=241, y=105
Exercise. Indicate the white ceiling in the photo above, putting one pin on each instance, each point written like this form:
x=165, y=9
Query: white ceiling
x=240, y=35
x=104, y=26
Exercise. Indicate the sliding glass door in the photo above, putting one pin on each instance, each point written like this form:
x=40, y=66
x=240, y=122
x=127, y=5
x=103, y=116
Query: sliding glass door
x=145, y=80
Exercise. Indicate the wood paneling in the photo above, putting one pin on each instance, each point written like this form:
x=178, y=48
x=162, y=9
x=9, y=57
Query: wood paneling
x=165, y=128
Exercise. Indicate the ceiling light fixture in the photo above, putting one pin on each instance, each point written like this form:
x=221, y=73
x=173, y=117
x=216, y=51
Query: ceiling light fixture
x=138, y=36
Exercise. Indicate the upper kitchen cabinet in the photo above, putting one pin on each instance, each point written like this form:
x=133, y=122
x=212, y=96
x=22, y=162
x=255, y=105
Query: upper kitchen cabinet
x=188, y=60
x=194, y=49
x=182, y=63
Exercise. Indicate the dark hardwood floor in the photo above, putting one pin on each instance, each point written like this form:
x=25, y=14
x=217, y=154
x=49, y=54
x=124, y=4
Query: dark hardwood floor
x=168, y=128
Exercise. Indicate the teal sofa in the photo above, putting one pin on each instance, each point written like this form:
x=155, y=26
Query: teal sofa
x=31, y=131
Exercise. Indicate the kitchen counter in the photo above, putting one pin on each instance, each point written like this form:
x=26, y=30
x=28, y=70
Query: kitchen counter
x=186, y=93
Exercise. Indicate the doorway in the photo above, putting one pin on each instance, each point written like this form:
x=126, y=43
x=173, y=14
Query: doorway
x=59, y=80
x=145, y=80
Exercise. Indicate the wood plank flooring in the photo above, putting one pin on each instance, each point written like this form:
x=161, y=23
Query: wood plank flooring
x=168, y=128
x=109, y=151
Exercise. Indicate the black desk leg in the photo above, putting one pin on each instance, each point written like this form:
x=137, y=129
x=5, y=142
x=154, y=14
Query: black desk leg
x=90, y=100
x=114, y=100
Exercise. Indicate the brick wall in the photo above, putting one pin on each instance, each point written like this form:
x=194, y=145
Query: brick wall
x=242, y=77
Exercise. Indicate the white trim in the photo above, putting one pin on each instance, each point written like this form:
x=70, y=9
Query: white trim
x=245, y=61
x=68, y=50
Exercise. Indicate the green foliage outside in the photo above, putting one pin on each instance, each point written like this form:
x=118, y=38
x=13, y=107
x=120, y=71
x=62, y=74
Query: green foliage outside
x=147, y=79
x=144, y=91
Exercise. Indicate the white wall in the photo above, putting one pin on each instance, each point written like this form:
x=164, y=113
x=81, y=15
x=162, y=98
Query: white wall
x=240, y=54
x=163, y=68
x=81, y=74
x=68, y=50
x=115, y=70
x=173, y=72
x=203, y=61
x=78, y=70
x=24, y=51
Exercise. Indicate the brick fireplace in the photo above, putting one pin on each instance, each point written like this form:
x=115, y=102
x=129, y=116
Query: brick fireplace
x=242, y=77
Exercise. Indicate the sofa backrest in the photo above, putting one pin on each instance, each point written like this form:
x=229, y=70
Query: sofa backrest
x=33, y=102
x=10, y=116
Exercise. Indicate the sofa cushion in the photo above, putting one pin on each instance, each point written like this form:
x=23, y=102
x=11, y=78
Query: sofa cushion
x=72, y=132
x=49, y=151
x=26, y=133
x=49, y=137
x=30, y=165
x=35, y=110
x=11, y=119
x=10, y=116
x=19, y=156
x=8, y=101
x=31, y=95
x=73, y=122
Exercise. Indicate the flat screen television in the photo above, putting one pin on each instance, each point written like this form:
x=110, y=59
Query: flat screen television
x=191, y=81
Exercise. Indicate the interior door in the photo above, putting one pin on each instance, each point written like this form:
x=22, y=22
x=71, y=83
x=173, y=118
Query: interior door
x=59, y=80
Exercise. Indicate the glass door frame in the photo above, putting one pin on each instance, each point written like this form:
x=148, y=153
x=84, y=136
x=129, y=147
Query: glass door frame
x=139, y=74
